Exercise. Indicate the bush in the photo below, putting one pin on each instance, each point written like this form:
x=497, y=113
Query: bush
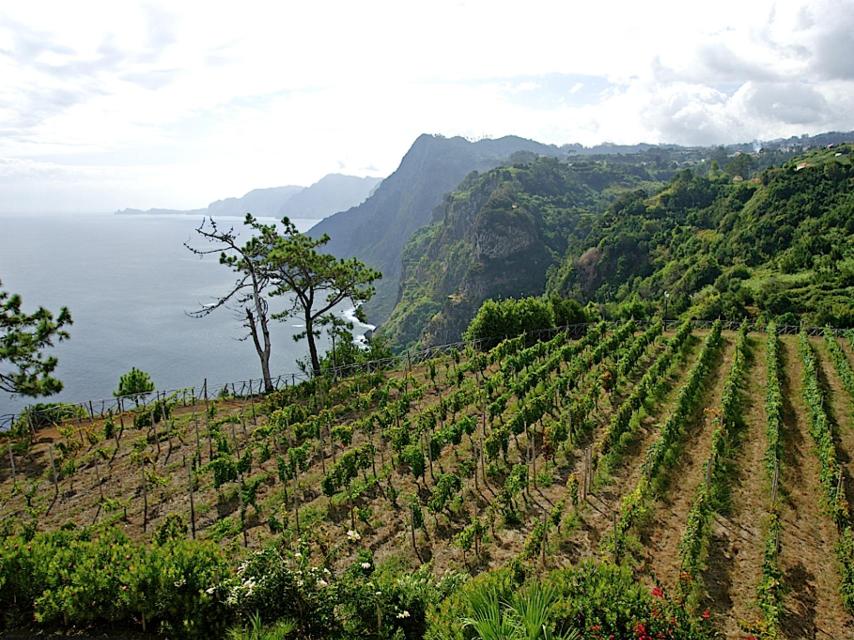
x=73, y=578
x=45, y=414
x=597, y=600
x=134, y=382
x=497, y=320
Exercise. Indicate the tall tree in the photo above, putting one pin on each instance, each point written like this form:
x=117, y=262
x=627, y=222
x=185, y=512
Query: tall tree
x=247, y=297
x=24, y=369
x=317, y=282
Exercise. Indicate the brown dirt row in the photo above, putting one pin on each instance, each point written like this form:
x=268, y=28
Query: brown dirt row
x=736, y=553
x=662, y=534
x=812, y=606
x=596, y=518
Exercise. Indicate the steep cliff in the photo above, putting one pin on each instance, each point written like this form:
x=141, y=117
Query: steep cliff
x=497, y=236
x=377, y=230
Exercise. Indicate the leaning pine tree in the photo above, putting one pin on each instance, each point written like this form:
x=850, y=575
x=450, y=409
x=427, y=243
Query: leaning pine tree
x=247, y=297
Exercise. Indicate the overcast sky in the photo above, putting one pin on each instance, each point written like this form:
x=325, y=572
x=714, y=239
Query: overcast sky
x=112, y=104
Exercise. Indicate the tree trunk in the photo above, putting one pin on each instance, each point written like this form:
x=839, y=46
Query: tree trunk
x=263, y=351
x=312, y=347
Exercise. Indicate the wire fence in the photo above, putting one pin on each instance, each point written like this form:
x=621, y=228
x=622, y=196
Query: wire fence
x=254, y=387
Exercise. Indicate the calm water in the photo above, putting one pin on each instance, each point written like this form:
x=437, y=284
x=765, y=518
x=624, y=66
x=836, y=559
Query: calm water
x=128, y=282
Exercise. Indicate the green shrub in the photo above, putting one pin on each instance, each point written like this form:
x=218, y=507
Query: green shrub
x=134, y=382
x=497, y=320
x=596, y=600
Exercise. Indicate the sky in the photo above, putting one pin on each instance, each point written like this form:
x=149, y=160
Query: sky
x=106, y=105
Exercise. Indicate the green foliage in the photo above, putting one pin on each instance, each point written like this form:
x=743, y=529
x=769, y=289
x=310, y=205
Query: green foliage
x=589, y=600
x=840, y=362
x=75, y=578
x=830, y=471
x=510, y=317
x=708, y=500
x=134, y=383
x=24, y=337
x=770, y=588
x=724, y=248
x=44, y=414
x=662, y=453
x=624, y=420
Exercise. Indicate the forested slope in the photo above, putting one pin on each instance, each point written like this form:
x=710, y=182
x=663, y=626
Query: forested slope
x=620, y=230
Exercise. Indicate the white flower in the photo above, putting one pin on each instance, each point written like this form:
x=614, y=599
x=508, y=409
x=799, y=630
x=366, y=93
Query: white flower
x=366, y=565
x=297, y=555
x=378, y=593
x=326, y=571
x=403, y=614
x=322, y=583
x=353, y=536
x=210, y=590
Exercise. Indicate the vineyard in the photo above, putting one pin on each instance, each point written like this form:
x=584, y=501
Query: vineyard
x=718, y=465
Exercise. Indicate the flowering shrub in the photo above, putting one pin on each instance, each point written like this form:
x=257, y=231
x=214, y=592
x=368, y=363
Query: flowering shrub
x=598, y=601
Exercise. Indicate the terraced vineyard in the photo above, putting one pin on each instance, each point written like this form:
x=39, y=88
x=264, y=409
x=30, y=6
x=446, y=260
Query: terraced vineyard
x=716, y=464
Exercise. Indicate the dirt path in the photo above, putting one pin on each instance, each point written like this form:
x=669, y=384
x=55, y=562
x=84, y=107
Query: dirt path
x=662, y=535
x=812, y=606
x=597, y=517
x=736, y=552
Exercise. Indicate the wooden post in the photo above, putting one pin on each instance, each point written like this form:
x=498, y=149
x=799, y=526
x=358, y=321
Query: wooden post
x=207, y=420
x=155, y=407
x=191, y=488
x=12, y=462
x=144, y=498
x=616, y=544
x=80, y=429
x=121, y=413
x=775, y=482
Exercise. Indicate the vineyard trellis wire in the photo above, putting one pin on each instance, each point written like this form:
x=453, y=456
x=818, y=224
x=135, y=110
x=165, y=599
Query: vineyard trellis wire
x=252, y=387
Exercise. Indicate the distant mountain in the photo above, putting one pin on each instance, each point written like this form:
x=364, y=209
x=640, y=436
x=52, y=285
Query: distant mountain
x=377, y=230
x=259, y=202
x=331, y=193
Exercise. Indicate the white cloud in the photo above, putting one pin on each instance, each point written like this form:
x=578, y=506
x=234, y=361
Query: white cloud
x=176, y=104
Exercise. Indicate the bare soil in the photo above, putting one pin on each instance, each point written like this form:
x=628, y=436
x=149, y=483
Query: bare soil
x=812, y=603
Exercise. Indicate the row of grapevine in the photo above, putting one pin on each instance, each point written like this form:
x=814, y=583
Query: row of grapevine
x=770, y=588
x=665, y=447
x=840, y=361
x=831, y=473
x=620, y=429
x=707, y=501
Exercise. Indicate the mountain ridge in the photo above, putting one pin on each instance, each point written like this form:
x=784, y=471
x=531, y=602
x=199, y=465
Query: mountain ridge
x=331, y=193
x=377, y=230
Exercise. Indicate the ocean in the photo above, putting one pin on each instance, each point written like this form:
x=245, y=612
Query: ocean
x=129, y=282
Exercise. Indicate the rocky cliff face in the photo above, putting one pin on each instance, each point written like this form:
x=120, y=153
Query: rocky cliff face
x=496, y=236
x=377, y=230
x=487, y=243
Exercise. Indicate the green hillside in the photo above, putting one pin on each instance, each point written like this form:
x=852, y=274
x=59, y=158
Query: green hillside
x=625, y=230
x=778, y=245
x=498, y=236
